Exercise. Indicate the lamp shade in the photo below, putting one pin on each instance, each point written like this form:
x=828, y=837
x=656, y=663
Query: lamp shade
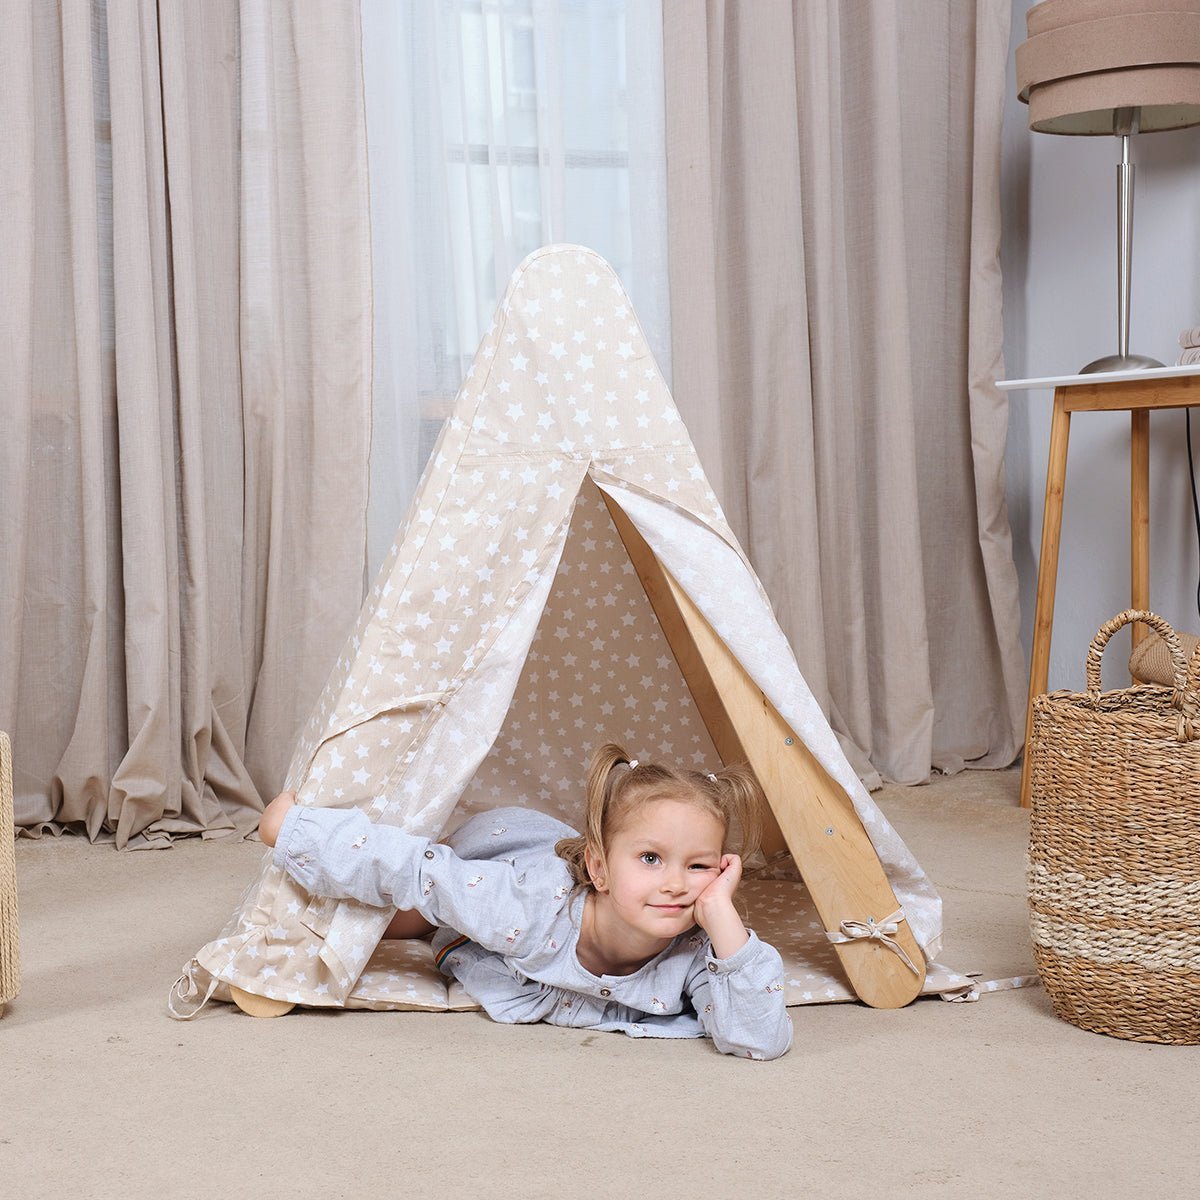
x=1085, y=59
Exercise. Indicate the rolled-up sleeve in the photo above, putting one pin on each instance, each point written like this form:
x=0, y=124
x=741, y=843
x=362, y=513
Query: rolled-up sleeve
x=740, y=1001
x=340, y=853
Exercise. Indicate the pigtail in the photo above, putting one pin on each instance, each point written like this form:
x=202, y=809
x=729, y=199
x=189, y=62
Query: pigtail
x=742, y=800
x=599, y=787
x=599, y=791
x=571, y=850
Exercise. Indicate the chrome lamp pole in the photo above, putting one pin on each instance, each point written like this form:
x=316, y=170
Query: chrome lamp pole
x=1125, y=122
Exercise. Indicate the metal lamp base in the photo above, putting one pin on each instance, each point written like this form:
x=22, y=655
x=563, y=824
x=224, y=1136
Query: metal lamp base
x=1125, y=122
x=1121, y=362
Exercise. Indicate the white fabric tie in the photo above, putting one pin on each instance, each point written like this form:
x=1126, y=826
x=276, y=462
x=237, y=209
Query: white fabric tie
x=876, y=931
x=185, y=990
x=973, y=989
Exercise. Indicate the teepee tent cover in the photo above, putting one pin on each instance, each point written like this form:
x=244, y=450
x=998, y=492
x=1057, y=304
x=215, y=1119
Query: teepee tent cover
x=508, y=634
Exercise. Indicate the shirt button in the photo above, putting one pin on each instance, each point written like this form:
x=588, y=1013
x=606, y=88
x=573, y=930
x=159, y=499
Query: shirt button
x=429, y=854
x=712, y=967
x=606, y=992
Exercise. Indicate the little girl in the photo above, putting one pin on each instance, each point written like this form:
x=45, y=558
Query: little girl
x=630, y=926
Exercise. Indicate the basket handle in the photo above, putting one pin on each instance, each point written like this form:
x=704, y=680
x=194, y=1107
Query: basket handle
x=1187, y=675
x=1191, y=688
x=1163, y=628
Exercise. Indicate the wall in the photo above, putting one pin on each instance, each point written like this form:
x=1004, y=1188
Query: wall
x=1059, y=263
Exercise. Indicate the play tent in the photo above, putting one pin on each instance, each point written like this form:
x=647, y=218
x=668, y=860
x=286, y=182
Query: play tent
x=563, y=558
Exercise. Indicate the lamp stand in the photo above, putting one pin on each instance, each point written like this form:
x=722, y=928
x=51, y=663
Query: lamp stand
x=1125, y=121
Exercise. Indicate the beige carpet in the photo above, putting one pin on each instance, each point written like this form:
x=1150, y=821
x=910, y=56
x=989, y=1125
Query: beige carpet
x=102, y=1095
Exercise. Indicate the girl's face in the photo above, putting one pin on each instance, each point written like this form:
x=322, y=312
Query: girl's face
x=663, y=856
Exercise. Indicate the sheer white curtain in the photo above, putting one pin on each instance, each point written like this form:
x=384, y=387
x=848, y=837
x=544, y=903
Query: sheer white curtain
x=495, y=127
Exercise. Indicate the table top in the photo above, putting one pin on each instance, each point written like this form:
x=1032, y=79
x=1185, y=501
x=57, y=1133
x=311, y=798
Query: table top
x=1057, y=381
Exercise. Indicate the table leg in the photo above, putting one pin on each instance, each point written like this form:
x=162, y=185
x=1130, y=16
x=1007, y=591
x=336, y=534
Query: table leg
x=1139, y=515
x=1043, y=621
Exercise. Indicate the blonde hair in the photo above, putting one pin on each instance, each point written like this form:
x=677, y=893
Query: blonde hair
x=618, y=786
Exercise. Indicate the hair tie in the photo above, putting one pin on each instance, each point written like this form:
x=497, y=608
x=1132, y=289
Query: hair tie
x=633, y=762
x=712, y=777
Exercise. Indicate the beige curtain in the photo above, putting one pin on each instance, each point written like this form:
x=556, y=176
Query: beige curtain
x=833, y=206
x=185, y=325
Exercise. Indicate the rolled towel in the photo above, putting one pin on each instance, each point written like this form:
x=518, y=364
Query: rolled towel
x=1190, y=337
x=1189, y=356
x=1150, y=661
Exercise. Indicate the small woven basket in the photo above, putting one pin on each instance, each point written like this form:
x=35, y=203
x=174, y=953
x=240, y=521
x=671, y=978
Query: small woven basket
x=1114, y=850
x=10, y=957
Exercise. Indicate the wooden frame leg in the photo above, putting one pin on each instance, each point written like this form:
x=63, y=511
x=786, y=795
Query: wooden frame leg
x=1043, y=621
x=259, y=1006
x=1139, y=515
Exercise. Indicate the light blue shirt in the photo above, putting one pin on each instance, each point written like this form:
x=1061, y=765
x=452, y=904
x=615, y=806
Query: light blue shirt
x=497, y=883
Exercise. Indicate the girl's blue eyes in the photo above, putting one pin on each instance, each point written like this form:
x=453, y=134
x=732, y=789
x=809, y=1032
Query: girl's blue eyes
x=652, y=860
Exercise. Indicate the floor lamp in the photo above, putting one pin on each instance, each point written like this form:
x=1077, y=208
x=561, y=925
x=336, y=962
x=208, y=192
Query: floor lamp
x=1115, y=67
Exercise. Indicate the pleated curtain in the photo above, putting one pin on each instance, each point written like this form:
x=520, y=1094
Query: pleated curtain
x=185, y=399
x=834, y=225
x=185, y=332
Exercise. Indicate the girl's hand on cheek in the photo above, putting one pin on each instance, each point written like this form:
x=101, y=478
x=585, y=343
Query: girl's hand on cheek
x=715, y=913
x=718, y=896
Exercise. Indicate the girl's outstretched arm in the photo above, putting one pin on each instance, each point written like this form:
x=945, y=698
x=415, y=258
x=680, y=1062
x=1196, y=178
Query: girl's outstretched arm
x=340, y=853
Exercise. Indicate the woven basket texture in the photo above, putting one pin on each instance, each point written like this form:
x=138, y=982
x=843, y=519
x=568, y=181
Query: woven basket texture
x=1114, y=852
x=10, y=957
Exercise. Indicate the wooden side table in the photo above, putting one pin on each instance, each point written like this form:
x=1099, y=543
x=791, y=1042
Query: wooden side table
x=1139, y=393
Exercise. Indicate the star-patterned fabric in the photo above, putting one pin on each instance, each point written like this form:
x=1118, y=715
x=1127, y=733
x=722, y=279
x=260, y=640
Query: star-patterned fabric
x=508, y=635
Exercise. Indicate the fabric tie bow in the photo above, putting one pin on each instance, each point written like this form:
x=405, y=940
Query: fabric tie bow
x=876, y=931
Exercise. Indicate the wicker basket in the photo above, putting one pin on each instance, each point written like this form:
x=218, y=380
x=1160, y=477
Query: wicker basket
x=10, y=958
x=1114, y=850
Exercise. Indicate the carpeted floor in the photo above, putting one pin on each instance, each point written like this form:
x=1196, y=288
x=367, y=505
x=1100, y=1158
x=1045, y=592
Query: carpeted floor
x=103, y=1096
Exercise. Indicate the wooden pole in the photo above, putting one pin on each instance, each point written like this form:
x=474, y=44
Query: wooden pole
x=1139, y=516
x=1043, y=620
